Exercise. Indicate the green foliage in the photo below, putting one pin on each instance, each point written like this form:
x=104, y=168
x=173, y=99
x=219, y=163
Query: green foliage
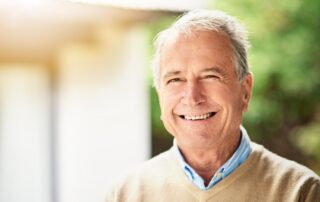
x=308, y=140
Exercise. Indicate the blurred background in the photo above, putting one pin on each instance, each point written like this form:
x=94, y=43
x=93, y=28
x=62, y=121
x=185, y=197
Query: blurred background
x=77, y=106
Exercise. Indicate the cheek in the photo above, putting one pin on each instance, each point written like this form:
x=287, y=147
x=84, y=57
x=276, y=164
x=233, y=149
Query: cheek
x=170, y=96
x=167, y=101
x=219, y=93
x=225, y=96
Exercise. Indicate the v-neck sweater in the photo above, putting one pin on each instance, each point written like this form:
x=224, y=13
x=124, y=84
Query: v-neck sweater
x=264, y=176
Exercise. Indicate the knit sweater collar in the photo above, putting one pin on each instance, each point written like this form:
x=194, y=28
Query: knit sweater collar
x=239, y=156
x=235, y=175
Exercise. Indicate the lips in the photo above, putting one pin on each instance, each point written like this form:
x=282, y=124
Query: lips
x=198, y=117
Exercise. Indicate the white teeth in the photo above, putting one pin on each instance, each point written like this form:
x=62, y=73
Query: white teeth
x=199, y=117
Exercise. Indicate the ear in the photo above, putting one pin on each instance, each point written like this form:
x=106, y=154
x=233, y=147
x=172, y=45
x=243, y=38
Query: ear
x=247, y=83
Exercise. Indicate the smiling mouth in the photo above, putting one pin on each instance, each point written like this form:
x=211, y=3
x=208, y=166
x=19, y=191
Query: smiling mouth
x=198, y=117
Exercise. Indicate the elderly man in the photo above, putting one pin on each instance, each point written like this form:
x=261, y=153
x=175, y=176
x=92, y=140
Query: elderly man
x=204, y=85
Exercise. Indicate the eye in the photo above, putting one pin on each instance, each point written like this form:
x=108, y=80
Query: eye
x=173, y=80
x=211, y=76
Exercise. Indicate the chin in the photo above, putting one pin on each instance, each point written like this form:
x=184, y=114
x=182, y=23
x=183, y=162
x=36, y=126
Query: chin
x=198, y=141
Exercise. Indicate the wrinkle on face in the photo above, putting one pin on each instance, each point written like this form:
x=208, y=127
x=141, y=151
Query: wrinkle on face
x=198, y=76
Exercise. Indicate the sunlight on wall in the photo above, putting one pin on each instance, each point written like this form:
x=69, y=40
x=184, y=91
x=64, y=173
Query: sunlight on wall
x=72, y=125
x=103, y=125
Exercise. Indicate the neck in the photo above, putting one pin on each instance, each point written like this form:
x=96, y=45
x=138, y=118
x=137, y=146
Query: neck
x=206, y=162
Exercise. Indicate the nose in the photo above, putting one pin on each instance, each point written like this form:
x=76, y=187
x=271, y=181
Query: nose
x=192, y=95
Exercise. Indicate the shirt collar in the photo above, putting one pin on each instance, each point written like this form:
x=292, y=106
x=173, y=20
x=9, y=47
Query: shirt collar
x=238, y=157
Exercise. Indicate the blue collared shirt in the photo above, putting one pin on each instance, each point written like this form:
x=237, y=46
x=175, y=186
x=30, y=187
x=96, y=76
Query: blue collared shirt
x=240, y=155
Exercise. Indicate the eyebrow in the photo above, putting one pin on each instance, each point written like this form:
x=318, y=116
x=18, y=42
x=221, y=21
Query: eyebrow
x=171, y=73
x=215, y=69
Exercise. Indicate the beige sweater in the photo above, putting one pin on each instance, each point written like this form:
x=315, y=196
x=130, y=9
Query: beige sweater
x=264, y=176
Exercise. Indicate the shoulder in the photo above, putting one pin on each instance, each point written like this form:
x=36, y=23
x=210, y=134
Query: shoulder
x=282, y=165
x=161, y=162
x=153, y=167
x=150, y=175
x=285, y=174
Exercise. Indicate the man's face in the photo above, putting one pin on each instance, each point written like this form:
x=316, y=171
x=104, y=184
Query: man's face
x=201, y=98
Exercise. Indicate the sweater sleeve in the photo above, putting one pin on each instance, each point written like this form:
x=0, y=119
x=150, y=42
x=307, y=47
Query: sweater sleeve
x=311, y=192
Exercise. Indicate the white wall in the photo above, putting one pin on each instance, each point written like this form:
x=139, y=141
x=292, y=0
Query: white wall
x=99, y=120
x=103, y=123
x=24, y=134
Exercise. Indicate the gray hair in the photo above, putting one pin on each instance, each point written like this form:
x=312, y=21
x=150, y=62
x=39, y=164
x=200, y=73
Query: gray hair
x=205, y=20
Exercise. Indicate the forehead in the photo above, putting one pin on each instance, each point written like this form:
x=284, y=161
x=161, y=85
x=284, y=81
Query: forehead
x=199, y=50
